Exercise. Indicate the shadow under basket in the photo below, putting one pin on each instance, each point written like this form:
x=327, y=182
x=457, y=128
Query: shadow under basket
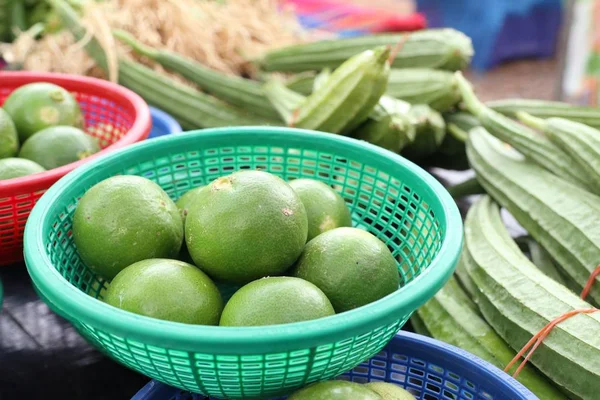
x=389, y=196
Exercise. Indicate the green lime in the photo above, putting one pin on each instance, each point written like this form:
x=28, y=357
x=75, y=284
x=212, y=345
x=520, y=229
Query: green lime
x=351, y=266
x=9, y=139
x=166, y=289
x=18, y=167
x=125, y=219
x=37, y=106
x=184, y=202
x=59, y=145
x=335, y=390
x=275, y=300
x=389, y=391
x=325, y=208
x=245, y=226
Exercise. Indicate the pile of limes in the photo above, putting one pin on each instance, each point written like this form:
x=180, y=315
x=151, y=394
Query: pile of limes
x=288, y=247
x=41, y=127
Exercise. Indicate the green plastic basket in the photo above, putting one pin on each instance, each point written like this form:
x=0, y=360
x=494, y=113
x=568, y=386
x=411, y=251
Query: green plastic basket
x=391, y=197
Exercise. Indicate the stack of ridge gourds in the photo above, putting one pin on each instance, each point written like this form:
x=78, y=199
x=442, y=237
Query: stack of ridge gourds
x=539, y=160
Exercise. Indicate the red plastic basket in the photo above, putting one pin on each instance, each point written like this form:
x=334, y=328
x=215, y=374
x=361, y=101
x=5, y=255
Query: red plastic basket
x=115, y=115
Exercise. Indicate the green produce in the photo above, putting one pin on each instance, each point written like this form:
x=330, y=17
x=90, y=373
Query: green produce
x=335, y=390
x=389, y=391
x=17, y=167
x=184, y=202
x=430, y=132
x=187, y=105
x=389, y=125
x=59, y=145
x=544, y=262
x=431, y=48
x=579, y=141
x=467, y=188
x=348, y=96
x=451, y=154
x=37, y=106
x=125, y=219
x=244, y=93
x=533, y=145
x=274, y=301
x=548, y=109
x=555, y=212
x=438, y=89
x=452, y=317
x=518, y=301
x=418, y=325
x=245, y=226
x=351, y=266
x=321, y=79
x=283, y=99
x=302, y=83
x=168, y=290
x=325, y=208
x=9, y=139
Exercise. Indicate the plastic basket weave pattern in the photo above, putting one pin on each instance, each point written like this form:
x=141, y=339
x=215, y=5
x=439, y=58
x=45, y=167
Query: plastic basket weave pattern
x=427, y=368
x=115, y=115
x=391, y=197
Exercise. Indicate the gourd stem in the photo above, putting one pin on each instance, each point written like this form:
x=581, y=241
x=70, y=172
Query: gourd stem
x=471, y=102
x=531, y=121
x=138, y=47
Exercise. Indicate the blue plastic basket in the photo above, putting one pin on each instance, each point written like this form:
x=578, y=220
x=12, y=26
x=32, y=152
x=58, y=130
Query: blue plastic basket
x=426, y=367
x=162, y=123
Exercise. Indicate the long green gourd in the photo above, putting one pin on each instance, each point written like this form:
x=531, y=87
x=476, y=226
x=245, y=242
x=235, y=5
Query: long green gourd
x=548, y=109
x=556, y=213
x=578, y=140
x=518, y=301
x=452, y=317
x=446, y=49
x=244, y=93
x=436, y=88
x=533, y=145
x=349, y=94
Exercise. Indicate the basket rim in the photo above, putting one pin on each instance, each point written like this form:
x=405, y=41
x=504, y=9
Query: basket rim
x=82, y=308
x=138, y=131
x=442, y=353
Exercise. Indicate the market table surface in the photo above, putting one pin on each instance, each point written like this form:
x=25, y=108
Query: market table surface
x=43, y=356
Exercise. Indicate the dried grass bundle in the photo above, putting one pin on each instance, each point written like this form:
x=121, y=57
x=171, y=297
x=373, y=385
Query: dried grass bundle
x=221, y=35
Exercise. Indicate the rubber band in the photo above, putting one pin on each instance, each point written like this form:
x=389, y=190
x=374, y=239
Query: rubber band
x=294, y=117
x=539, y=337
x=590, y=283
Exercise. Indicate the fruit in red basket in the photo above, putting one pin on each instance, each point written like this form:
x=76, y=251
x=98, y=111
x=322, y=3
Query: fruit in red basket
x=185, y=201
x=325, y=208
x=37, y=106
x=125, y=219
x=335, y=390
x=352, y=267
x=17, y=167
x=9, y=140
x=245, y=226
x=275, y=300
x=389, y=391
x=166, y=289
x=59, y=145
